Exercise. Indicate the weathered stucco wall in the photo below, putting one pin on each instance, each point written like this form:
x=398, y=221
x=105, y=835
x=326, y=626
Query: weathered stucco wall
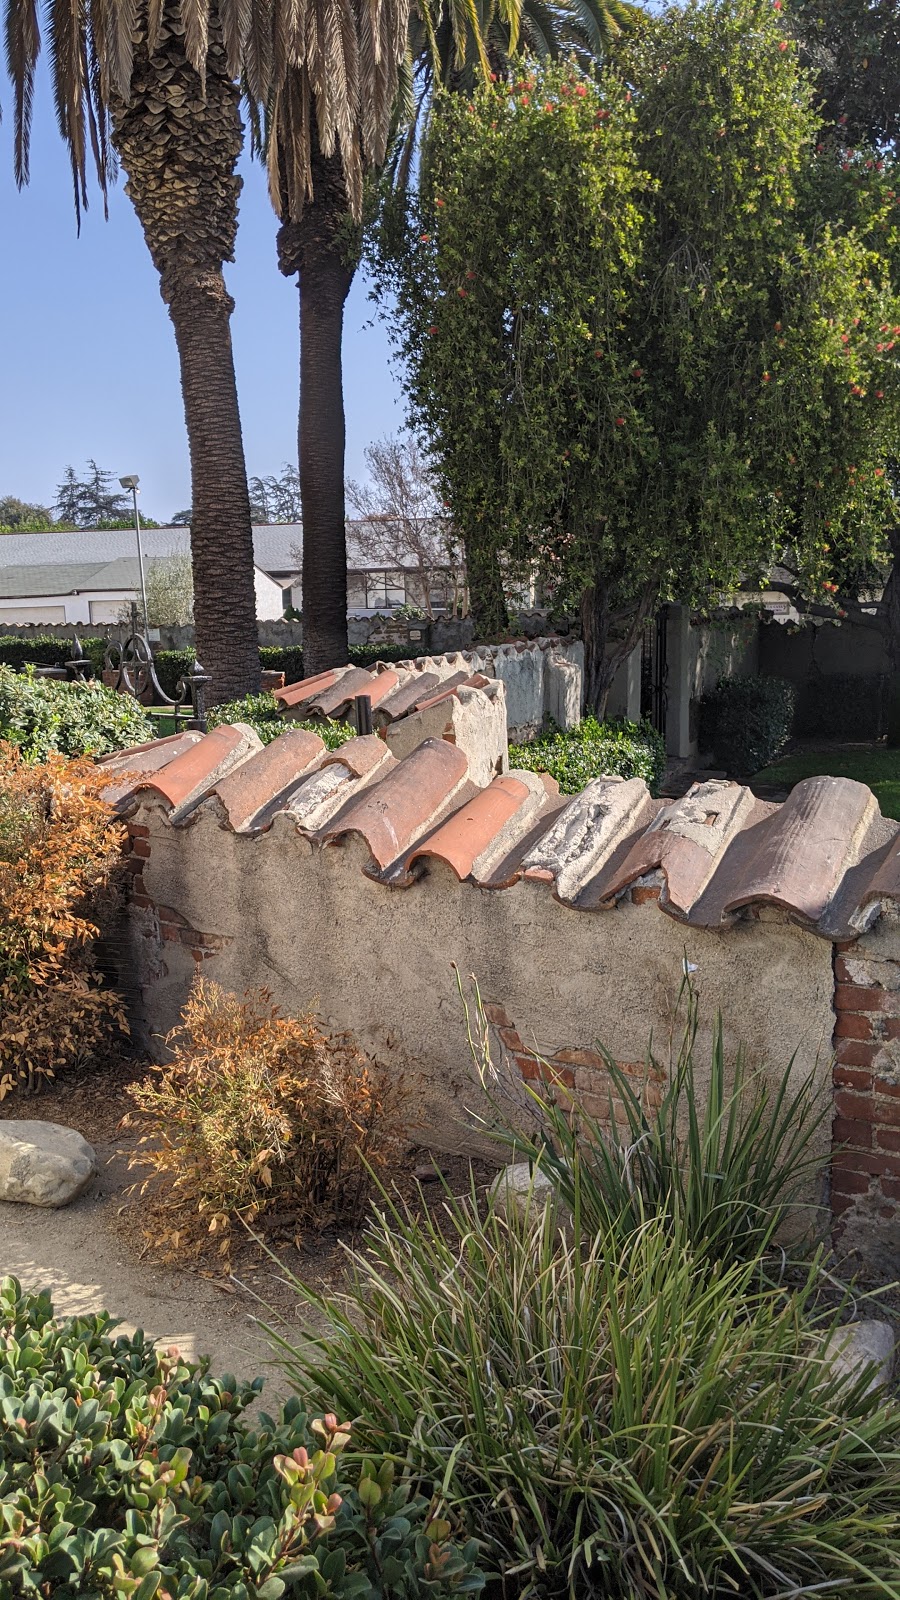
x=304, y=920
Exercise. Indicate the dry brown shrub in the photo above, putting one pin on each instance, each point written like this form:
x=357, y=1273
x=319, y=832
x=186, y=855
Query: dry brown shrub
x=59, y=847
x=258, y=1115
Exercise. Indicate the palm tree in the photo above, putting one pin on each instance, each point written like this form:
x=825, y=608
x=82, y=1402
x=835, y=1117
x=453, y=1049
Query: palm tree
x=158, y=87
x=327, y=126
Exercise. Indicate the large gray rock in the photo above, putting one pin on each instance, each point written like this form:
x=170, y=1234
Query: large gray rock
x=520, y=1191
x=858, y=1345
x=43, y=1164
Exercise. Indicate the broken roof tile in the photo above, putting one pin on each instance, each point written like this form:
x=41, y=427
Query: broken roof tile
x=583, y=836
x=471, y=833
x=360, y=755
x=804, y=848
x=343, y=774
x=397, y=810
x=685, y=841
x=251, y=791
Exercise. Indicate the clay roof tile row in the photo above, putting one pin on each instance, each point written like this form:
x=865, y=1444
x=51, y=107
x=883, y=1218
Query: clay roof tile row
x=826, y=857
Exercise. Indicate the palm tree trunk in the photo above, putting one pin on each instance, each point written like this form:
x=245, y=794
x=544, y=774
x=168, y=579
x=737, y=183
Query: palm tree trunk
x=179, y=140
x=316, y=249
x=225, y=632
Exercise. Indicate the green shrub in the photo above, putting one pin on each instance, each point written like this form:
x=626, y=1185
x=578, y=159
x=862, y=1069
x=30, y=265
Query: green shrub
x=170, y=666
x=43, y=650
x=262, y=713
x=615, y=1419
x=41, y=714
x=746, y=721
x=843, y=705
x=366, y=655
x=283, y=658
x=595, y=750
x=125, y=1471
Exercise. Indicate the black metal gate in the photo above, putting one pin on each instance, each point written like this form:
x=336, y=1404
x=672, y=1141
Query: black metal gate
x=655, y=671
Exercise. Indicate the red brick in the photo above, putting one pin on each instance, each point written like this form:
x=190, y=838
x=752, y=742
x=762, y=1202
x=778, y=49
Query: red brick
x=850, y=1026
x=854, y=997
x=858, y=1134
x=845, y=944
x=886, y=1113
x=528, y=1067
x=167, y=930
x=509, y=1039
x=133, y=866
x=842, y=972
x=851, y=1078
x=854, y=1053
x=887, y=1138
x=141, y=848
x=890, y=1187
x=849, y=1183
x=136, y=830
x=841, y=1203
x=140, y=899
x=890, y=1027
x=891, y=1090
x=875, y=1162
x=854, y=1106
x=642, y=894
x=497, y=1015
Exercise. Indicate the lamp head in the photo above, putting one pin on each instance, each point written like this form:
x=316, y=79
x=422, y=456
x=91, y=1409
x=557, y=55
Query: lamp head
x=131, y=482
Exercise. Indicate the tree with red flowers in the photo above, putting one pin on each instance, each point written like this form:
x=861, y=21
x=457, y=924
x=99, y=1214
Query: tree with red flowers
x=643, y=344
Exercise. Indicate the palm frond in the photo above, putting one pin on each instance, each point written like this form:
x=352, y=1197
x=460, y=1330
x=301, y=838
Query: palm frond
x=23, y=46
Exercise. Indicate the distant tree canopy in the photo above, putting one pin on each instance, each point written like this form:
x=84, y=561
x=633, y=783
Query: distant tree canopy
x=23, y=516
x=852, y=50
x=649, y=325
x=95, y=500
x=277, y=498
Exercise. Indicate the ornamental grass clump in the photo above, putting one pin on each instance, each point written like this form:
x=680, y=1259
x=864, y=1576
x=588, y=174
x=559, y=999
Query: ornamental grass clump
x=614, y=1417
x=59, y=849
x=728, y=1154
x=128, y=1474
x=258, y=1117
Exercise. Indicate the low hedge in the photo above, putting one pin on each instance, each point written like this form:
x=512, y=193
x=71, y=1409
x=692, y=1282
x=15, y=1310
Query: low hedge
x=262, y=713
x=78, y=719
x=593, y=749
x=126, y=1471
x=746, y=721
x=43, y=650
x=173, y=664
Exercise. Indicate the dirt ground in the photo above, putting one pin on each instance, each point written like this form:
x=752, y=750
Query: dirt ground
x=92, y=1255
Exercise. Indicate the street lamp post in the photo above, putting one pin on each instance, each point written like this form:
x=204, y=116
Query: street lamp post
x=131, y=482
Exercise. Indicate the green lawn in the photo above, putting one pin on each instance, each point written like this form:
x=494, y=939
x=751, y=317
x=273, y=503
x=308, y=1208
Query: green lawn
x=871, y=764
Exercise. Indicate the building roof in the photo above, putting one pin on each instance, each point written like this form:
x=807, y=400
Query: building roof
x=826, y=857
x=71, y=577
x=277, y=551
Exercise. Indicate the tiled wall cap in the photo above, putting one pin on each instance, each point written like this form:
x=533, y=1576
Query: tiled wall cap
x=467, y=834
x=686, y=841
x=361, y=755
x=126, y=770
x=406, y=695
x=356, y=681
x=807, y=845
x=255, y=786
x=395, y=811
x=295, y=694
x=583, y=836
x=184, y=781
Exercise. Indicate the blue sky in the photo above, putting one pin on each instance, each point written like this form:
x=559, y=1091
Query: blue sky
x=89, y=362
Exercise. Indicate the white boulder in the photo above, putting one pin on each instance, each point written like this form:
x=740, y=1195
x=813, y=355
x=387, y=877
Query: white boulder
x=521, y=1191
x=43, y=1163
x=858, y=1345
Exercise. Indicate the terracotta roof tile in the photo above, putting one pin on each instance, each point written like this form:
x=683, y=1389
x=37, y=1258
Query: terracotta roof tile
x=360, y=756
x=445, y=689
x=251, y=791
x=685, y=841
x=804, y=848
x=329, y=701
x=583, y=836
x=470, y=833
x=297, y=694
x=407, y=695
x=396, y=811
x=343, y=774
x=127, y=769
x=184, y=781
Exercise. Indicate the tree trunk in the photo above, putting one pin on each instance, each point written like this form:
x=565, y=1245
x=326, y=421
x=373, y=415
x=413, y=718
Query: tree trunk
x=599, y=667
x=316, y=248
x=890, y=610
x=179, y=140
x=225, y=632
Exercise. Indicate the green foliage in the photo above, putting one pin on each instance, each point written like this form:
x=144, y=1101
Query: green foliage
x=650, y=362
x=171, y=665
x=842, y=705
x=875, y=765
x=23, y=516
x=283, y=658
x=595, y=750
x=725, y=1153
x=262, y=713
x=43, y=650
x=746, y=721
x=42, y=714
x=127, y=1472
x=615, y=1418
